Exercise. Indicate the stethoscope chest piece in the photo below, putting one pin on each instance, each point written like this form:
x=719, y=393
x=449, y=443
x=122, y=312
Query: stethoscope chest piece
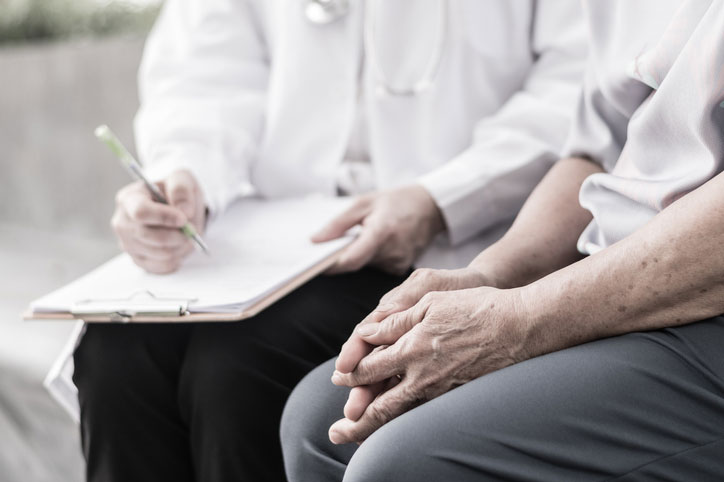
x=323, y=12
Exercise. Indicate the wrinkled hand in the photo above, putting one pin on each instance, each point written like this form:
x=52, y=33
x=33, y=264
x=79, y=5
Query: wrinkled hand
x=446, y=340
x=396, y=226
x=404, y=296
x=149, y=231
x=418, y=284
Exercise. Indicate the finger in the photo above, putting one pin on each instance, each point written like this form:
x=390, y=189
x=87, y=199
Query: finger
x=360, y=398
x=419, y=283
x=339, y=225
x=160, y=237
x=140, y=208
x=355, y=348
x=379, y=365
x=360, y=252
x=175, y=253
x=181, y=191
x=389, y=330
x=154, y=266
x=131, y=233
x=386, y=407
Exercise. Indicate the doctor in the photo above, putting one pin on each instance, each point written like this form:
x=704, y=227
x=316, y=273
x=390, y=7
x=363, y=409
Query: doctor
x=441, y=116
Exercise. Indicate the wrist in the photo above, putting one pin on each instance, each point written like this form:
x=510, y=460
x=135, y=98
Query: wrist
x=508, y=317
x=433, y=216
x=543, y=311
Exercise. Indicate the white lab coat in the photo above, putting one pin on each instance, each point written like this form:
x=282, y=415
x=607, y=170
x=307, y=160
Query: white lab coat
x=251, y=97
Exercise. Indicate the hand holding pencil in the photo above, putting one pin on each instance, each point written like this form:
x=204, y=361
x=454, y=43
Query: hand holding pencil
x=156, y=224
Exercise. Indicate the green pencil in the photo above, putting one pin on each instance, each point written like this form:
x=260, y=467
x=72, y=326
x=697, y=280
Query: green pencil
x=104, y=134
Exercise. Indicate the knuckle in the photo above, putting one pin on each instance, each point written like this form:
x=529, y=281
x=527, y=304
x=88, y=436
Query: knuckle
x=429, y=297
x=421, y=274
x=385, y=227
x=412, y=395
x=140, y=211
x=361, y=373
x=395, y=322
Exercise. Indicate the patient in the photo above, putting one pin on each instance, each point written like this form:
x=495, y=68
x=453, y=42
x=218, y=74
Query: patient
x=593, y=349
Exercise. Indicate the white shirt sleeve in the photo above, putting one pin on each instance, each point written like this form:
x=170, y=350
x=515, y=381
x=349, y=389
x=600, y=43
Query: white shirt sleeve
x=202, y=83
x=514, y=148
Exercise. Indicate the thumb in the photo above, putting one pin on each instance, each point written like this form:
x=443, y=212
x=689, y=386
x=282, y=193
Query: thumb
x=339, y=225
x=181, y=191
x=389, y=330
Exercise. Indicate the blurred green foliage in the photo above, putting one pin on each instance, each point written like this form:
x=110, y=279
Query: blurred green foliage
x=32, y=20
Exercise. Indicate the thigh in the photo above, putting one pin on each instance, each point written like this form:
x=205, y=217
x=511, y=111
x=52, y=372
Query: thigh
x=314, y=405
x=288, y=339
x=127, y=379
x=236, y=377
x=644, y=406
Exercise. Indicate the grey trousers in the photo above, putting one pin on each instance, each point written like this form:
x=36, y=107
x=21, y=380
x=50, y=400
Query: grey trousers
x=639, y=407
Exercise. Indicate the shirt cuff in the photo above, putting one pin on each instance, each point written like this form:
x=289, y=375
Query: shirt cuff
x=466, y=206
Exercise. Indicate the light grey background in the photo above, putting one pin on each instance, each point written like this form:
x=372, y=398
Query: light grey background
x=57, y=185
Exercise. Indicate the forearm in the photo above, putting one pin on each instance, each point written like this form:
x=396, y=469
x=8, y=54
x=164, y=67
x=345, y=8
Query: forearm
x=543, y=237
x=668, y=273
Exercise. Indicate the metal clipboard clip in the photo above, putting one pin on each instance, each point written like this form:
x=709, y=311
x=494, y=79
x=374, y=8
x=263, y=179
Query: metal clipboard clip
x=141, y=303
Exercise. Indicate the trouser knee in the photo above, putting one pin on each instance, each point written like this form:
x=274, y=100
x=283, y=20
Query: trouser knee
x=312, y=407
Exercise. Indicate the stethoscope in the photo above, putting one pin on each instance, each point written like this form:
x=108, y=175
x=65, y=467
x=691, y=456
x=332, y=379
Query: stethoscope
x=323, y=12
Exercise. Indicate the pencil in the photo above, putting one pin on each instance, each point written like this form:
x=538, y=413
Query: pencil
x=134, y=168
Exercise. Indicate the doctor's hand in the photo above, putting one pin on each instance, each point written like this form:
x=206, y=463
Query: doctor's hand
x=396, y=226
x=149, y=231
x=446, y=340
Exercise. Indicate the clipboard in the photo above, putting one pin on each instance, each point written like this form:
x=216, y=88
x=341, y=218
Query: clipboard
x=260, y=252
x=146, y=307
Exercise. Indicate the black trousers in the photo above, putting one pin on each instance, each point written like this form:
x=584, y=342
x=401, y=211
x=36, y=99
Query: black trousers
x=202, y=402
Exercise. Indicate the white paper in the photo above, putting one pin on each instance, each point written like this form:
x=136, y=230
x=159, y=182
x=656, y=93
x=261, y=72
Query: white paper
x=255, y=247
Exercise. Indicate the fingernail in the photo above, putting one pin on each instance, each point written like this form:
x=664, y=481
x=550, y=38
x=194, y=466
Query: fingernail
x=336, y=378
x=385, y=307
x=334, y=437
x=368, y=330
